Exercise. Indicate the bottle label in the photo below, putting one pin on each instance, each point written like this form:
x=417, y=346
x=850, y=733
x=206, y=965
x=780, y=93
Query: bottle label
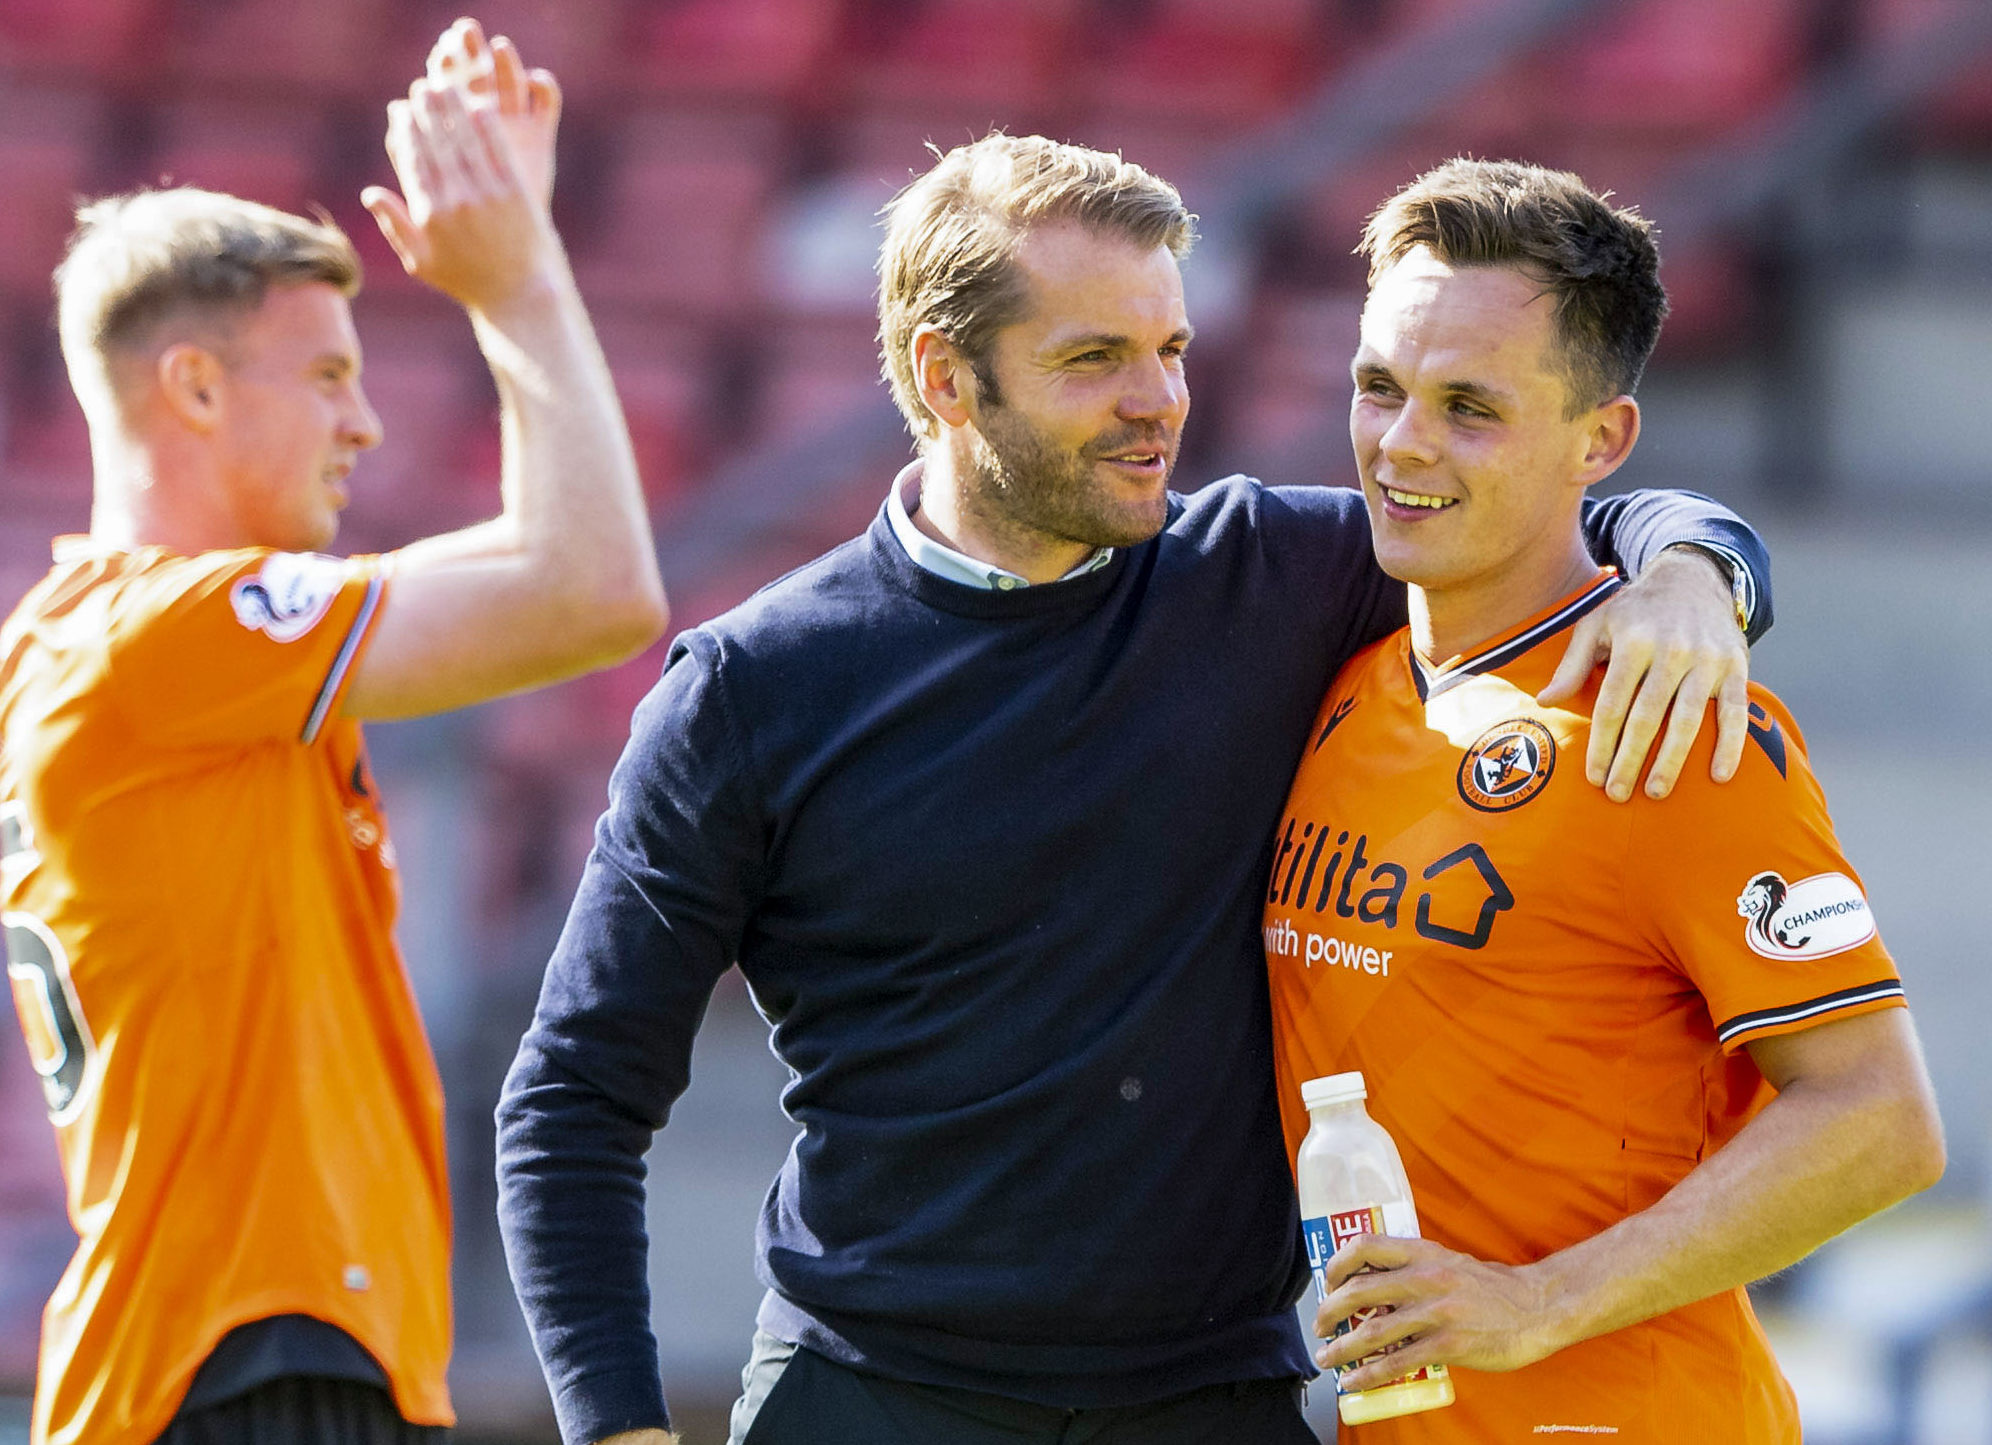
x=1328, y=1233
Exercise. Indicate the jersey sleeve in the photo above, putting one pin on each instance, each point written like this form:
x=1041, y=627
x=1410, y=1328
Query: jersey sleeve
x=242, y=646
x=1745, y=887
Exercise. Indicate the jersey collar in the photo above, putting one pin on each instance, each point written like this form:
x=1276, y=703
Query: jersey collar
x=1431, y=680
x=82, y=547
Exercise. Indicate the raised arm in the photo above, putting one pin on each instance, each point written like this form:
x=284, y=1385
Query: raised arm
x=565, y=579
x=1853, y=1129
x=1670, y=641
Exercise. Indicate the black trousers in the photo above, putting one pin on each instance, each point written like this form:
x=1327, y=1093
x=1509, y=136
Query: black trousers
x=302, y=1410
x=815, y=1401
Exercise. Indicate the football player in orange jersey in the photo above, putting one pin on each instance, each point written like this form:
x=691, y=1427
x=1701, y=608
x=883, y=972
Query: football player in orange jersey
x=198, y=885
x=1635, y=1057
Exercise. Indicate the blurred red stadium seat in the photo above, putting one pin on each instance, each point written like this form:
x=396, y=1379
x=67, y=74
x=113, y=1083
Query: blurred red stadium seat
x=664, y=381
x=1289, y=387
x=1238, y=62
x=1713, y=300
x=685, y=200
x=266, y=153
x=48, y=142
x=335, y=48
x=1682, y=67
x=24, y=558
x=1179, y=149
x=887, y=142
x=753, y=49
x=1406, y=16
x=45, y=472
x=1018, y=47
x=817, y=370
x=1959, y=115
x=1332, y=211
x=103, y=39
x=421, y=376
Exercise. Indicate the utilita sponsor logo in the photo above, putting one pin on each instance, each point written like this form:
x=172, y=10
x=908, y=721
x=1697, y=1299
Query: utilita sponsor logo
x=1465, y=885
x=1283, y=940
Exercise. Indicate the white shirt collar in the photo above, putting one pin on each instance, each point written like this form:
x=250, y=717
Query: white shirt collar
x=942, y=560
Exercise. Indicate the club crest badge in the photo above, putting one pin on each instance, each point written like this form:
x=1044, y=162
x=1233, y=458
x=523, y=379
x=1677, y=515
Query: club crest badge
x=1812, y=918
x=288, y=596
x=1509, y=764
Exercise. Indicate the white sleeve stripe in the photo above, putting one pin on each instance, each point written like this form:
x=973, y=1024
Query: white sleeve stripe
x=1845, y=998
x=348, y=650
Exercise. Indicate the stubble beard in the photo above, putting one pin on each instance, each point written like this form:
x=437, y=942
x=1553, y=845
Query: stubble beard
x=1025, y=483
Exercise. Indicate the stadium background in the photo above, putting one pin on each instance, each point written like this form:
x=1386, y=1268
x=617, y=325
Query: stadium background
x=1822, y=174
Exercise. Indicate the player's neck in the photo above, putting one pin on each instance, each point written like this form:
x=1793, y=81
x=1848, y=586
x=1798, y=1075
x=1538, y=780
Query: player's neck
x=140, y=499
x=1453, y=621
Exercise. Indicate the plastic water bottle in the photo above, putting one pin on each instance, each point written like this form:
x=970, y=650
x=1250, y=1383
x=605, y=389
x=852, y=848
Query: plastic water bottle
x=1352, y=1182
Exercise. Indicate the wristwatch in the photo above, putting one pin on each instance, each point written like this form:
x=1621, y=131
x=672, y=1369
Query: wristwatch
x=1730, y=567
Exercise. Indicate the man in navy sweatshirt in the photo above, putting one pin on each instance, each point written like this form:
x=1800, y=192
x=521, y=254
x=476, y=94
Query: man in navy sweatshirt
x=978, y=804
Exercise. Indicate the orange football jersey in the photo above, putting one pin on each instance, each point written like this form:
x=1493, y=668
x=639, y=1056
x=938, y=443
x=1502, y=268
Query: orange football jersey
x=1548, y=994
x=199, y=895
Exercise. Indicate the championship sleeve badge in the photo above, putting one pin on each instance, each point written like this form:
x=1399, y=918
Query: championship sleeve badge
x=289, y=595
x=1812, y=918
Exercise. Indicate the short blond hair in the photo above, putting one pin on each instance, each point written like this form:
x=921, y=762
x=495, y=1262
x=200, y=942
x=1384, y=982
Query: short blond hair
x=949, y=258
x=140, y=261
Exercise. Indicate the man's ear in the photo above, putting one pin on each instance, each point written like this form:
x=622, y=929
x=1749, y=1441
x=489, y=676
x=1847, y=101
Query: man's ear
x=191, y=379
x=1614, y=427
x=942, y=376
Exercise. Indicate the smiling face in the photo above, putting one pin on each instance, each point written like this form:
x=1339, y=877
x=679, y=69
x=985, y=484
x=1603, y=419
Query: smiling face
x=292, y=419
x=1472, y=467
x=1079, y=408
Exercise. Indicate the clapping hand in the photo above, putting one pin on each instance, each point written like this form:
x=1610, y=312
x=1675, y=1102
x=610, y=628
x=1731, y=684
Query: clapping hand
x=472, y=148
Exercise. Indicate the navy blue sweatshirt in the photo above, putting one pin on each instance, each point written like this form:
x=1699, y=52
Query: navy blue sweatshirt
x=992, y=864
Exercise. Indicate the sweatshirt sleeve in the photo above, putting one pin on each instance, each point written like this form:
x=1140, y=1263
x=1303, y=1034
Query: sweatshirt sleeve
x=1632, y=528
x=657, y=919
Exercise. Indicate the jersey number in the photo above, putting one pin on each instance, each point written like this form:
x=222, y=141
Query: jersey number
x=59, y=1042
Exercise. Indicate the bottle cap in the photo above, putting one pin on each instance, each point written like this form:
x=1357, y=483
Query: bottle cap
x=1334, y=1089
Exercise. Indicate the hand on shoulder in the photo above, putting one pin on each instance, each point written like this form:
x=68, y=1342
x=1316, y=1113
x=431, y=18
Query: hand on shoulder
x=1670, y=643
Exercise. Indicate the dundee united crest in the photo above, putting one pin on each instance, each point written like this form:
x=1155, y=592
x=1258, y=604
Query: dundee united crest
x=1508, y=765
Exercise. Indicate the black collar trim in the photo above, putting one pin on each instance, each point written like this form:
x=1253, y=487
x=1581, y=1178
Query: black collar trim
x=1431, y=681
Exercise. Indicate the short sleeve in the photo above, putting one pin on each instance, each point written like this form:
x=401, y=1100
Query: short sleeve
x=241, y=646
x=1745, y=887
